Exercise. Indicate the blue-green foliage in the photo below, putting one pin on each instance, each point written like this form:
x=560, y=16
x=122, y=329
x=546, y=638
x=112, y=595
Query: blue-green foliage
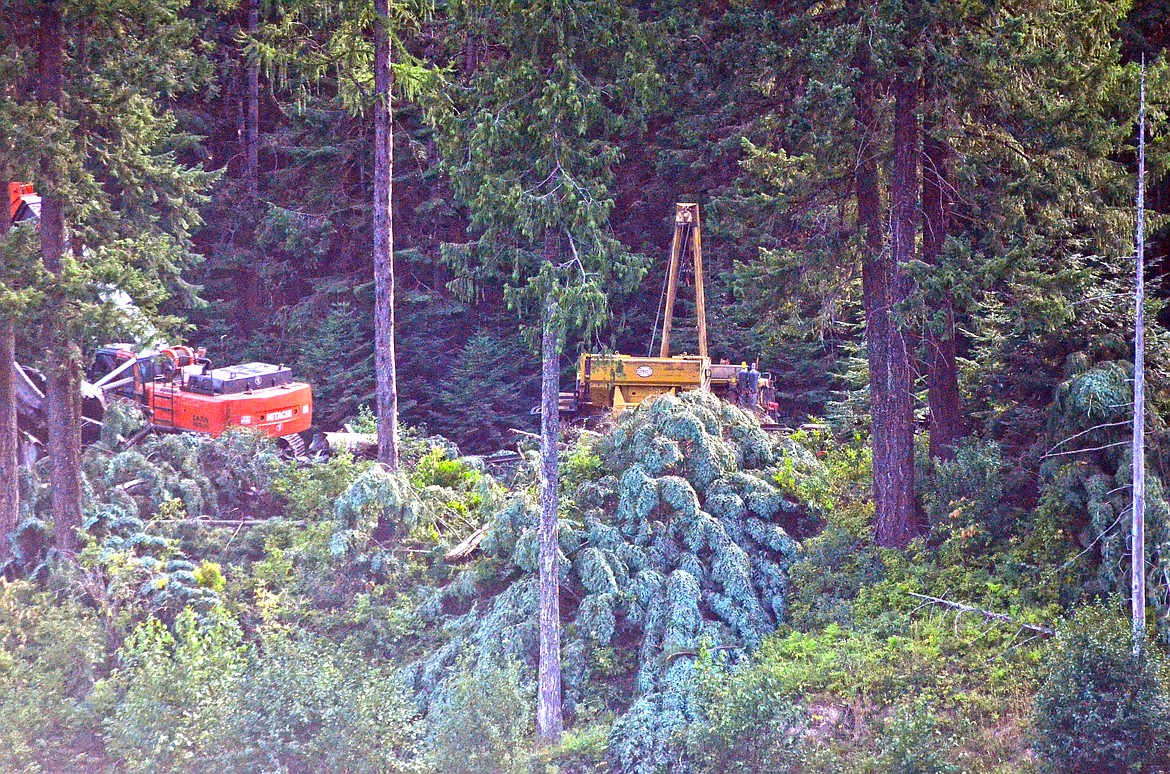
x=134, y=497
x=1103, y=708
x=1087, y=483
x=680, y=546
x=210, y=477
x=483, y=722
x=377, y=496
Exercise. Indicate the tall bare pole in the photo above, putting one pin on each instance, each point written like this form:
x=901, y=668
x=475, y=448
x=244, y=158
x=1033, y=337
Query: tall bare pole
x=1138, y=552
x=385, y=368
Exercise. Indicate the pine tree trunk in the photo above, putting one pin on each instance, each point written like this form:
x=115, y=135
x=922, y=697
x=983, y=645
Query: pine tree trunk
x=883, y=287
x=549, y=723
x=9, y=431
x=63, y=388
x=63, y=425
x=385, y=376
x=252, y=114
x=946, y=409
x=1137, y=567
x=897, y=523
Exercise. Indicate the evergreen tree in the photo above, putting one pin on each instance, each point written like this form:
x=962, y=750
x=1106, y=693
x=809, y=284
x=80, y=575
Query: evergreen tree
x=1005, y=98
x=116, y=206
x=490, y=374
x=530, y=148
x=14, y=46
x=338, y=37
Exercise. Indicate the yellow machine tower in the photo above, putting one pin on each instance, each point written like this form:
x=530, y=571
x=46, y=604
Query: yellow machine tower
x=615, y=382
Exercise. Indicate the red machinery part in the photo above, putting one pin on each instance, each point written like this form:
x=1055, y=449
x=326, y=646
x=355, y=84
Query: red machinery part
x=274, y=411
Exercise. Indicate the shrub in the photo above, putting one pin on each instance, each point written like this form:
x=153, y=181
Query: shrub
x=310, y=706
x=970, y=489
x=915, y=742
x=51, y=654
x=1102, y=708
x=747, y=723
x=438, y=468
x=179, y=691
x=483, y=722
x=682, y=544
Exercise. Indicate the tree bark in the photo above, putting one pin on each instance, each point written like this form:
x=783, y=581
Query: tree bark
x=1137, y=566
x=942, y=371
x=897, y=522
x=252, y=114
x=883, y=287
x=63, y=389
x=9, y=430
x=385, y=376
x=549, y=723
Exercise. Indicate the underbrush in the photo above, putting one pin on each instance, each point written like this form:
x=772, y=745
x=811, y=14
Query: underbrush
x=725, y=609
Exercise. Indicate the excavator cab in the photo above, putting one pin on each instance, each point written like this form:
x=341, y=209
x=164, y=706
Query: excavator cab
x=23, y=203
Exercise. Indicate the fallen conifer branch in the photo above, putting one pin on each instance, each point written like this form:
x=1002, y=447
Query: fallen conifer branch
x=1003, y=617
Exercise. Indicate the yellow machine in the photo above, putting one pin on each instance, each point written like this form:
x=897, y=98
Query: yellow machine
x=615, y=382
x=619, y=381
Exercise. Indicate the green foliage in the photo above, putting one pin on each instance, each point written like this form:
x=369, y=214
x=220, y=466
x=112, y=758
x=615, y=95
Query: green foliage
x=210, y=477
x=177, y=691
x=377, y=500
x=1087, y=479
x=365, y=421
x=108, y=153
x=971, y=490
x=536, y=172
x=583, y=750
x=486, y=392
x=1102, y=708
x=913, y=741
x=581, y=464
x=52, y=653
x=746, y=723
x=336, y=358
x=308, y=705
x=439, y=469
x=310, y=493
x=483, y=722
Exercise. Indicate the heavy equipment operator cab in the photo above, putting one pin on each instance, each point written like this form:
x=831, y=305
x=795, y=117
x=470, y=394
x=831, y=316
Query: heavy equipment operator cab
x=23, y=203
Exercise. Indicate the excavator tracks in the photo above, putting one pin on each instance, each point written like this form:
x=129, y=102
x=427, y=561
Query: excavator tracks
x=293, y=445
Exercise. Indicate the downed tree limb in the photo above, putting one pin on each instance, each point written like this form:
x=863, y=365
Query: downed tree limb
x=465, y=550
x=231, y=522
x=1002, y=617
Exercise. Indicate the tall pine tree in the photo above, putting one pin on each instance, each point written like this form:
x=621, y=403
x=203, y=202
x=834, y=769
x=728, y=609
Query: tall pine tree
x=362, y=49
x=531, y=148
x=117, y=206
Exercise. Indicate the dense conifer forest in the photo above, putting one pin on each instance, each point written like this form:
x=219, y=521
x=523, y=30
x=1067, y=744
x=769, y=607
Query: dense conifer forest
x=926, y=221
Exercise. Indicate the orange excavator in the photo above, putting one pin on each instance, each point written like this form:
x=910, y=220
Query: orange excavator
x=181, y=390
x=177, y=386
